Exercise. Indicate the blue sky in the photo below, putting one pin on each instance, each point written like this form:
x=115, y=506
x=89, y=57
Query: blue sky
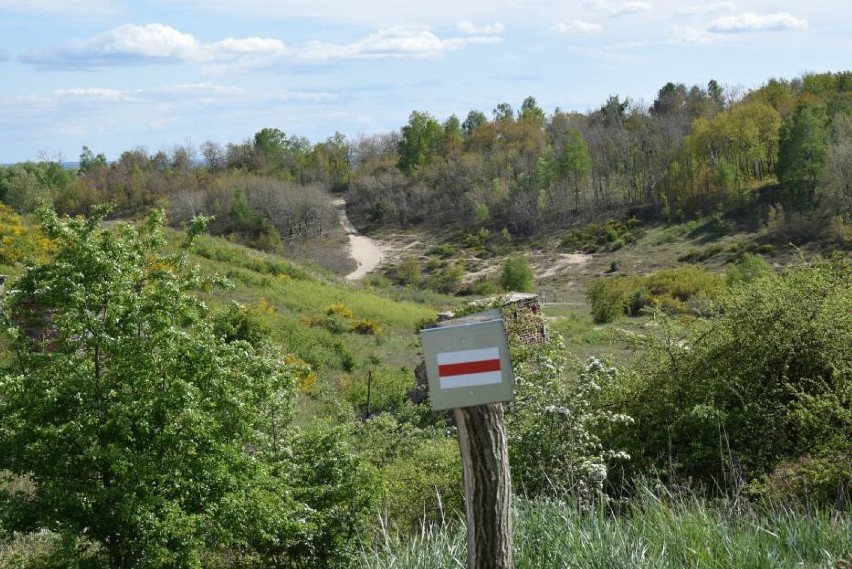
x=118, y=74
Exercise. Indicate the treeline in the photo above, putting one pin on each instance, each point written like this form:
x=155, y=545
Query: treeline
x=262, y=190
x=691, y=150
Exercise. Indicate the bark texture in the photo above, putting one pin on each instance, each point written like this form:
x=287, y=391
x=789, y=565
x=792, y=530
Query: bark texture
x=488, y=486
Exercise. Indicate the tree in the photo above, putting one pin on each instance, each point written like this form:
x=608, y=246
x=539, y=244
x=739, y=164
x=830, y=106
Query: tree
x=802, y=150
x=89, y=161
x=474, y=120
x=671, y=99
x=834, y=190
x=453, y=137
x=531, y=113
x=517, y=275
x=421, y=137
x=270, y=146
x=503, y=112
x=21, y=188
x=140, y=428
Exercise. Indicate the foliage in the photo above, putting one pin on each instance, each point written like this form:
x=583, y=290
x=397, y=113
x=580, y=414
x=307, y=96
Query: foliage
x=824, y=479
x=19, y=241
x=339, y=319
x=420, y=138
x=802, y=151
x=768, y=382
x=553, y=424
x=517, y=275
x=747, y=269
x=681, y=290
x=418, y=471
x=143, y=428
x=611, y=235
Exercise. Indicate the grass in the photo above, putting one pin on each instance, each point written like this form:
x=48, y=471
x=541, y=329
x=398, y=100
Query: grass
x=655, y=532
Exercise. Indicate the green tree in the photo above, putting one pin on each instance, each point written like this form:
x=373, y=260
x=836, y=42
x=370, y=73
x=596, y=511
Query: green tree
x=474, y=120
x=89, y=161
x=140, y=427
x=22, y=188
x=517, y=275
x=531, y=113
x=421, y=138
x=802, y=150
x=270, y=147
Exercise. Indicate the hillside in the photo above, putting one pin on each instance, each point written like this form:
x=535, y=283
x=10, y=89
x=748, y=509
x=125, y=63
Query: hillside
x=189, y=379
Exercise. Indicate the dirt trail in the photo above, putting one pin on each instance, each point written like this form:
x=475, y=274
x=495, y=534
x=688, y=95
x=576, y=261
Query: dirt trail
x=366, y=252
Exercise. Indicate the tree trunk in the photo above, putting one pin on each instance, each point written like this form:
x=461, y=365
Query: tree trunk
x=487, y=486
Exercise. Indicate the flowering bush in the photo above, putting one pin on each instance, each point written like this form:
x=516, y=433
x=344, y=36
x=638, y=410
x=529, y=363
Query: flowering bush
x=553, y=424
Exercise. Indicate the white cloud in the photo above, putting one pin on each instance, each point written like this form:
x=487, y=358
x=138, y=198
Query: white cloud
x=397, y=42
x=94, y=94
x=248, y=46
x=692, y=36
x=153, y=40
x=703, y=9
x=628, y=8
x=631, y=45
x=466, y=27
x=157, y=43
x=123, y=45
x=198, y=89
x=577, y=27
x=750, y=22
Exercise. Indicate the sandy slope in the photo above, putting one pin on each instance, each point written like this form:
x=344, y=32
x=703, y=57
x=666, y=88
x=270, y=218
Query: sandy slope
x=366, y=252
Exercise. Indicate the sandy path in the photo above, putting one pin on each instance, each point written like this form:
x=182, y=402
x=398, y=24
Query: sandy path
x=366, y=252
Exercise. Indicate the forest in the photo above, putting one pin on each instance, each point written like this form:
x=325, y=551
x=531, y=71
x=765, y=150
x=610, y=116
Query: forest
x=187, y=381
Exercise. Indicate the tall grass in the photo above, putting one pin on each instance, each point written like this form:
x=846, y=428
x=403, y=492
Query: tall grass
x=654, y=532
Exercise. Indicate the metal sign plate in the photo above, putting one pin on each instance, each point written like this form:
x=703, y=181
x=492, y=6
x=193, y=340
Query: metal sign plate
x=467, y=362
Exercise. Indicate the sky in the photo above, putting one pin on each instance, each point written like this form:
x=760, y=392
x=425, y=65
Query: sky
x=116, y=75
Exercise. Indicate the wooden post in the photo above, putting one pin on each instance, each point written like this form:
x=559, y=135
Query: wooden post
x=487, y=486
x=469, y=371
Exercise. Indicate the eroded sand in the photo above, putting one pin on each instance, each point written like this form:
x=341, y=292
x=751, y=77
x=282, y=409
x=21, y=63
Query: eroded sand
x=366, y=252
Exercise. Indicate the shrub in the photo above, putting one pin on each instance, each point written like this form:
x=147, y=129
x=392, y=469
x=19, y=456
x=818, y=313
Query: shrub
x=749, y=268
x=554, y=423
x=142, y=446
x=609, y=297
x=517, y=275
x=366, y=326
x=766, y=383
x=408, y=272
x=418, y=472
x=813, y=480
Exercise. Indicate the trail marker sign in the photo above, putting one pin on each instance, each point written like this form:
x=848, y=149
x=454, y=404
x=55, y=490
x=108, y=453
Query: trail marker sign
x=467, y=361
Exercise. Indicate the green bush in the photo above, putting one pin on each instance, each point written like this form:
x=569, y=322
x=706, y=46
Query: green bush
x=517, y=275
x=680, y=290
x=554, y=422
x=764, y=384
x=418, y=473
x=609, y=297
x=142, y=446
x=813, y=480
x=749, y=268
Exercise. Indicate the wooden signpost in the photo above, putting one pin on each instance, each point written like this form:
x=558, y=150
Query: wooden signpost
x=469, y=370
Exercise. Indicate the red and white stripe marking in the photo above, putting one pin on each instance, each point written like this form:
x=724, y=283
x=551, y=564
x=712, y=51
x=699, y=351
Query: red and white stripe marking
x=469, y=368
